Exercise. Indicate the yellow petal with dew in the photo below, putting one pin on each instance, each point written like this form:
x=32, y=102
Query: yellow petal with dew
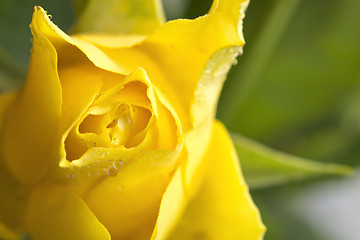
x=222, y=208
x=129, y=201
x=121, y=16
x=28, y=137
x=154, y=126
x=207, y=92
x=119, y=198
x=56, y=214
x=181, y=46
x=185, y=46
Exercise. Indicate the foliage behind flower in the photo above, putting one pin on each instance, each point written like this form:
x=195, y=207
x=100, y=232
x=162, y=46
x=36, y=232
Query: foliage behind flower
x=113, y=134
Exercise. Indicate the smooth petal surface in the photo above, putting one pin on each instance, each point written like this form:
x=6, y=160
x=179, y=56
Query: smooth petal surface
x=28, y=137
x=12, y=201
x=121, y=16
x=222, y=208
x=80, y=85
x=185, y=182
x=57, y=214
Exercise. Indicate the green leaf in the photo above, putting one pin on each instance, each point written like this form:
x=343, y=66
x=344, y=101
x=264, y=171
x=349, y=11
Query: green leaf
x=309, y=72
x=15, y=36
x=263, y=167
x=120, y=16
x=11, y=73
x=80, y=5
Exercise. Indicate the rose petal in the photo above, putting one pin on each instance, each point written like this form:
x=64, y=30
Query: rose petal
x=125, y=16
x=57, y=214
x=127, y=204
x=34, y=133
x=222, y=208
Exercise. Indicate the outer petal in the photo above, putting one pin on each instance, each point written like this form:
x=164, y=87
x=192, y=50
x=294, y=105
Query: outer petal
x=121, y=16
x=127, y=204
x=235, y=9
x=12, y=201
x=177, y=57
x=28, y=137
x=222, y=208
x=204, y=103
x=56, y=214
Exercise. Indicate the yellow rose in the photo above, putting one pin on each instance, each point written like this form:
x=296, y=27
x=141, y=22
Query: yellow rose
x=113, y=135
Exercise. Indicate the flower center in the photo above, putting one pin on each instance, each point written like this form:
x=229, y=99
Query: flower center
x=119, y=130
x=121, y=125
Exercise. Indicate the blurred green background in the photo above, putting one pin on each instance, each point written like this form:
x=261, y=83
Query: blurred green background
x=296, y=88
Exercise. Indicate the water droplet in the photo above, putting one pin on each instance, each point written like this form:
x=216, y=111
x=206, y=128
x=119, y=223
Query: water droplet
x=221, y=70
x=112, y=172
x=105, y=154
x=201, y=98
x=118, y=164
x=115, y=141
x=121, y=123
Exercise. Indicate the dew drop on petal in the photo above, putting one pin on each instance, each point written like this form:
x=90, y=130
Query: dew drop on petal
x=221, y=70
x=118, y=164
x=121, y=123
x=116, y=141
x=112, y=172
x=105, y=154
